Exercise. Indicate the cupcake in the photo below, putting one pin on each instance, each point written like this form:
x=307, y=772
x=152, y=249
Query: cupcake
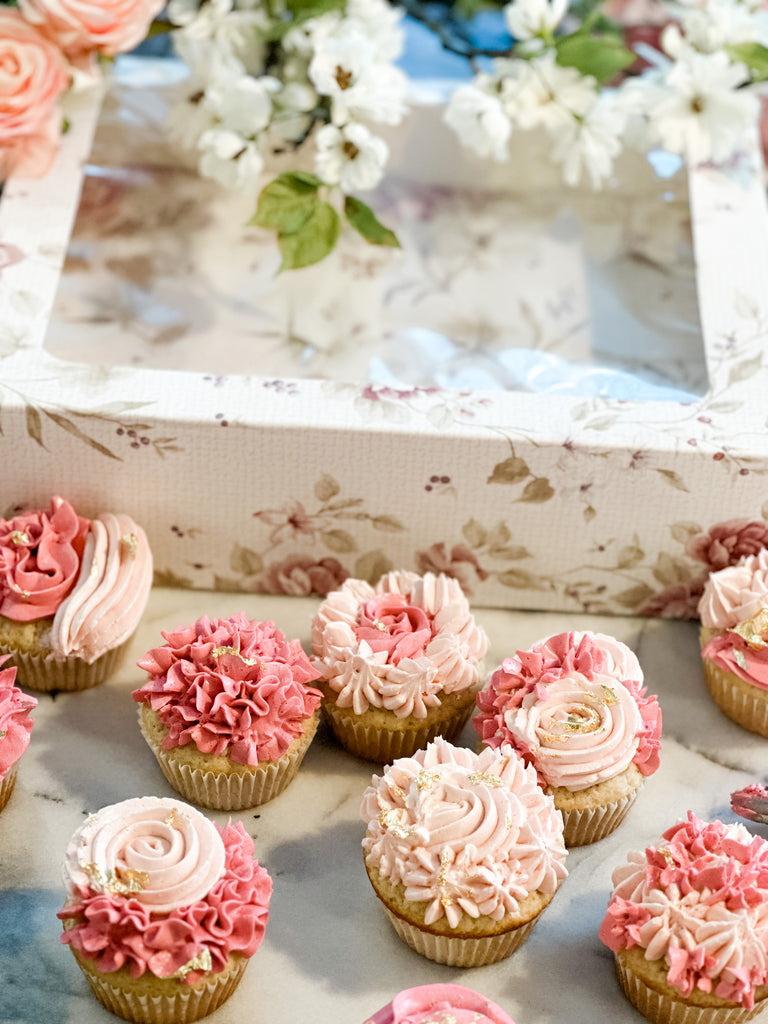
x=164, y=909
x=734, y=639
x=227, y=710
x=440, y=1004
x=688, y=925
x=399, y=662
x=15, y=727
x=72, y=591
x=464, y=850
x=574, y=706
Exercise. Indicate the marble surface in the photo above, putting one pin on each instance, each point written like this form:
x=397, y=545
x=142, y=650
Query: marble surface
x=329, y=954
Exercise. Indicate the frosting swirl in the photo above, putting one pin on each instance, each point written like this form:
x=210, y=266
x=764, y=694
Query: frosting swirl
x=440, y=1004
x=397, y=645
x=230, y=686
x=164, y=853
x=106, y=603
x=735, y=593
x=15, y=723
x=698, y=900
x=39, y=560
x=463, y=832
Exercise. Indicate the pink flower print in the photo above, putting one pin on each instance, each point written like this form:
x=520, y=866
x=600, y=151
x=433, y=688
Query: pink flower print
x=289, y=521
x=301, y=576
x=678, y=602
x=461, y=564
x=727, y=542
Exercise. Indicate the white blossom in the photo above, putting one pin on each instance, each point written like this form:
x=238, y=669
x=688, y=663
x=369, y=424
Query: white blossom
x=291, y=118
x=343, y=68
x=527, y=19
x=230, y=159
x=544, y=94
x=381, y=23
x=722, y=23
x=350, y=156
x=478, y=118
x=592, y=143
x=243, y=104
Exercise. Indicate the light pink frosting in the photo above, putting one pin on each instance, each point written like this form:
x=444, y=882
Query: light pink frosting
x=15, y=723
x=463, y=831
x=39, y=560
x=575, y=706
x=736, y=593
x=105, y=605
x=231, y=686
x=174, y=851
x=698, y=900
x=118, y=930
x=440, y=1004
x=397, y=645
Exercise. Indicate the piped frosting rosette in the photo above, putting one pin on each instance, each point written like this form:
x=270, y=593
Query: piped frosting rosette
x=407, y=647
x=156, y=889
x=734, y=616
x=574, y=706
x=462, y=846
x=15, y=729
x=693, y=910
x=441, y=1003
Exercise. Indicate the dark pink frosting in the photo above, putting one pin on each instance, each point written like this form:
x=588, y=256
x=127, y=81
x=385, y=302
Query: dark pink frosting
x=731, y=653
x=40, y=555
x=15, y=723
x=389, y=623
x=559, y=656
x=252, y=702
x=116, y=931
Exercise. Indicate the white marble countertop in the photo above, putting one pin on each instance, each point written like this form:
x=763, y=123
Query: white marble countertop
x=329, y=954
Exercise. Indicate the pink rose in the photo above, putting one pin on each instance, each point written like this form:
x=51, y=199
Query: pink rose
x=301, y=576
x=388, y=623
x=727, y=542
x=461, y=564
x=82, y=27
x=32, y=77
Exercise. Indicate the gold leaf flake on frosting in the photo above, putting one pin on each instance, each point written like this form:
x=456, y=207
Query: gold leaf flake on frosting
x=425, y=779
x=753, y=631
x=18, y=537
x=445, y=863
x=130, y=542
x=3, y=734
x=381, y=626
x=174, y=819
x=201, y=962
x=740, y=660
x=484, y=779
x=609, y=695
x=390, y=819
x=218, y=652
x=122, y=883
x=22, y=593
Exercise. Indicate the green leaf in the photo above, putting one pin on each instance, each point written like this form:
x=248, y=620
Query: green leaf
x=364, y=221
x=313, y=241
x=372, y=565
x=288, y=202
x=754, y=55
x=599, y=56
x=339, y=541
x=245, y=561
x=510, y=471
x=326, y=488
x=312, y=8
x=537, y=491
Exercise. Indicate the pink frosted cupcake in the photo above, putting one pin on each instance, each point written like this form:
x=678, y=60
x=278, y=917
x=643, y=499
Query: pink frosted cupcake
x=688, y=925
x=575, y=707
x=400, y=662
x=227, y=710
x=440, y=1004
x=15, y=728
x=164, y=909
x=464, y=851
x=734, y=640
x=72, y=591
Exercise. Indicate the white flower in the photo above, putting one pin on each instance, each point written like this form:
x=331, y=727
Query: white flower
x=548, y=95
x=291, y=118
x=343, y=68
x=592, y=143
x=527, y=19
x=306, y=37
x=230, y=159
x=722, y=23
x=381, y=22
x=350, y=156
x=479, y=120
x=244, y=104
x=187, y=120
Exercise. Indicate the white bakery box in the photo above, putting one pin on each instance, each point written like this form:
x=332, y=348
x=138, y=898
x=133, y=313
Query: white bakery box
x=527, y=395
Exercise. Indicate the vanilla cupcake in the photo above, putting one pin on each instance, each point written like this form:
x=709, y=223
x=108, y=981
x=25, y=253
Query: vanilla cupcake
x=464, y=851
x=227, y=710
x=440, y=1004
x=15, y=728
x=164, y=909
x=72, y=591
x=734, y=639
x=400, y=662
x=687, y=923
x=575, y=707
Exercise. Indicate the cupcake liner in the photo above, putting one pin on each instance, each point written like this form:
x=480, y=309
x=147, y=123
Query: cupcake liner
x=661, y=1008
x=236, y=790
x=461, y=951
x=385, y=746
x=178, y=1004
x=46, y=674
x=7, y=784
x=732, y=695
x=582, y=827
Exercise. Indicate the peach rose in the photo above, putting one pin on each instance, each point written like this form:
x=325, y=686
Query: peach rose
x=32, y=77
x=82, y=27
x=727, y=542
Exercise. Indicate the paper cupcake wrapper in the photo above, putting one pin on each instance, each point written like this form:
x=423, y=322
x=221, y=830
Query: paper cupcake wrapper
x=580, y=828
x=237, y=790
x=458, y=951
x=7, y=784
x=385, y=746
x=660, y=1008
x=180, y=1005
x=745, y=709
x=46, y=674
